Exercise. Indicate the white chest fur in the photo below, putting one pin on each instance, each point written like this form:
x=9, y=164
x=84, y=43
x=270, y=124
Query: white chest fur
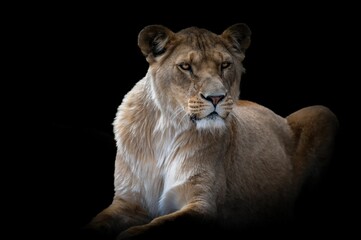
x=151, y=165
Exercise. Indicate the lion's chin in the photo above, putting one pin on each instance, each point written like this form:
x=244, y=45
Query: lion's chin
x=211, y=122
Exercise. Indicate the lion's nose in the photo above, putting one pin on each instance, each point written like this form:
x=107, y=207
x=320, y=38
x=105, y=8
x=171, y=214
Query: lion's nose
x=213, y=99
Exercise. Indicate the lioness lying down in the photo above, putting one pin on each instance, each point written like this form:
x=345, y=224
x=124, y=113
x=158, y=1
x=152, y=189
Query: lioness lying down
x=190, y=152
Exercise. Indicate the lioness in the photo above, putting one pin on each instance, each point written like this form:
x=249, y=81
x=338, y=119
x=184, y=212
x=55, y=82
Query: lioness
x=189, y=151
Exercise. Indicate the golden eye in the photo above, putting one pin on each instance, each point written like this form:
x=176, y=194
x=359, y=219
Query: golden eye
x=185, y=66
x=225, y=65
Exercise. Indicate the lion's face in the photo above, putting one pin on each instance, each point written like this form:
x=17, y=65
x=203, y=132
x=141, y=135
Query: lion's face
x=196, y=73
x=201, y=82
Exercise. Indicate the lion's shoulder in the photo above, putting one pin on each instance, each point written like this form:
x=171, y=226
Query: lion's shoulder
x=254, y=115
x=252, y=107
x=246, y=103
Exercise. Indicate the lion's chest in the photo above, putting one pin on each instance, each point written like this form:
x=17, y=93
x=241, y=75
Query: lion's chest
x=156, y=166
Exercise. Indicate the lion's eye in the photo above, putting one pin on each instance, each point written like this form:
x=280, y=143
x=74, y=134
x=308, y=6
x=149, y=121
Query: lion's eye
x=185, y=66
x=225, y=65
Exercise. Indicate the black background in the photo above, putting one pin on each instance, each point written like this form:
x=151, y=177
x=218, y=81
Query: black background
x=299, y=56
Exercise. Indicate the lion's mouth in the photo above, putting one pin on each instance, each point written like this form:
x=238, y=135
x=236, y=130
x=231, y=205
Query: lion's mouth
x=211, y=121
x=212, y=116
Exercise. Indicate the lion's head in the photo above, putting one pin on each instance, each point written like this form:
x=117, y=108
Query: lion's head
x=195, y=73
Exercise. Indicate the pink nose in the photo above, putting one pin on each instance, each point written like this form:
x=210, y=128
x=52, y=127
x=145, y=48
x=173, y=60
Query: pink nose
x=213, y=99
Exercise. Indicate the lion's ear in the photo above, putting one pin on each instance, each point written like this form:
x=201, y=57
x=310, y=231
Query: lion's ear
x=239, y=36
x=152, y=41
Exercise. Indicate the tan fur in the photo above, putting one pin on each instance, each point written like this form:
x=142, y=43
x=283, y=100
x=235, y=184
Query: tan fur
x=241, y=166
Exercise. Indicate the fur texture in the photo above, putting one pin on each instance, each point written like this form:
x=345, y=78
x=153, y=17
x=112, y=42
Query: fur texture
x=189, y=151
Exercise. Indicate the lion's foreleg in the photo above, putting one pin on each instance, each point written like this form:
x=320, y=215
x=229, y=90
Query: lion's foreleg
x=186, y=207
x=119, y=216
x=176, y=222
